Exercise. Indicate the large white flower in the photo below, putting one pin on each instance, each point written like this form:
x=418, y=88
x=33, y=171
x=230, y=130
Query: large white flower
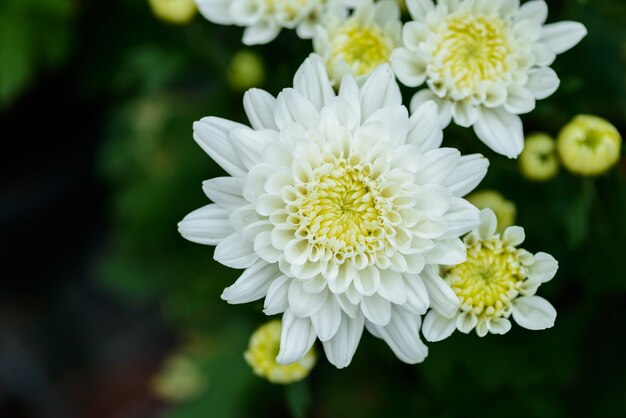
x=264, y=19
x=497, y=280
x=358, y=44
x=339, y=207
x=484, y=62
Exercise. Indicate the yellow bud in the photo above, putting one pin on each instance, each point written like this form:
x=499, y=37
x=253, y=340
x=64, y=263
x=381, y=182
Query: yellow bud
x=589, y=145
x=504, y=210
x=262, y=352
x=539, y=161
x=246, y=70
x=179, y=380
x=178, y=12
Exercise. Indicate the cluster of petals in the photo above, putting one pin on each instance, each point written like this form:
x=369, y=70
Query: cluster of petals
x=264, y=19
x=484, y=62
x=339, y=207
x=497, y=281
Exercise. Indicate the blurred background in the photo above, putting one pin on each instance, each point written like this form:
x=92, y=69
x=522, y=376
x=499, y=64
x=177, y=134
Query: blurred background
x=106, y=312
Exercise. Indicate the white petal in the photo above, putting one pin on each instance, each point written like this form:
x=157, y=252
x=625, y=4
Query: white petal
x=302, y=303
x=519, y=100
x=311, y=80
x=419, y=8
x=437, y=327
x=327, y=320
x=276, y=298
x=468, y=173
x=216, y=11
x=488, y=224
x=442, y=298
x=392, y=287
x=513, y=236
x=501, y=131
x=409, y=66
x=252, y=284
x=536, y=10
x=543, y=82
x=402, y=336
x=444, y=106
x=250, y=144
x=413, y=34
x=543, y=268
x=461, y=218
x=466, y=322
x=436, y=165
x=376, y=309
x=293, y=107
x=424, y=128
x=225, y=191
x=212, y=134
x=448, y=252
x=379, y=91
x=562, y=36
x=235, y=252
x=207, y=225
x=499, y=326
x=417, y=295
x=259, y=106
x=367, y=281
x=508, y=7
x=263, y=247
x=465, y=115
x=533, y=312
x=245, y=12
x=341, y=348
x=263, y=32
x=296, y=339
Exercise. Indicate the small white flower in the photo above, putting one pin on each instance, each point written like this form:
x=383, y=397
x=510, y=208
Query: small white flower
x=264, y=19
x=340, y=208
x=497, y=280
x=360, y=43
x=484, y=62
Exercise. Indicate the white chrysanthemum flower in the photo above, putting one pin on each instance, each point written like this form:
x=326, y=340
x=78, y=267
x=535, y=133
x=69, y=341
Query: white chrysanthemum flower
x=264, y=19
x=484, y=62
x=360, y=43
x=497, y=280
x=339, y=208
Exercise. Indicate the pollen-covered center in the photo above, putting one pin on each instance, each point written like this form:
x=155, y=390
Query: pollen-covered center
x=342, y=212
x=362, y=47
x=472, y=49
x=489, y=280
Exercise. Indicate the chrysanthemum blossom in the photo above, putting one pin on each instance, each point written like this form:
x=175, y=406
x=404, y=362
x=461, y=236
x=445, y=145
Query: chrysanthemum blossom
x=497, y=280
x=339, y=207
x=358, y=44
x=264, y=19
x=483, y=62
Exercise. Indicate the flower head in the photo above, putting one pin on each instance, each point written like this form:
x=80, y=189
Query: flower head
x=504, y=210
x=589, y=145
x=262, y=352
x=497, y=280
x=538, y=161
x=484, y=62
x=360, y=43
x=264, y=19
x=178, y=12
x=340, y=207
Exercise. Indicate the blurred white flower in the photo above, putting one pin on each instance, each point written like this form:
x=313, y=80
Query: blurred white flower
x=264, y=19
x=484, y=63
x=358, y=44
x=339, y=207
x=497, y=280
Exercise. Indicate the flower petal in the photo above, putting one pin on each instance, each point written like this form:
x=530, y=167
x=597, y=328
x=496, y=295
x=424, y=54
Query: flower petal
x=311, y=80
x=424, y=128
x=341, y=348
x=534, y=312
x=207, y=225
x=437, y=327
x=542, y=82
x=402, y=336
x=302, y=303
x=252, y=284
x=276, y=299
x=543, y=268
x=235, y=252
x=562, y=36
x=296, y=339
x=409, y=66
x=259, y=106
x=442, y=298
x=327, y=320
x=501, y=131
x=419, y=8
x=468, y=173
x=225, y=191
x=262, y=33
x=379, y=91
x=376, y=309
x=293, y=107
x=212, y=134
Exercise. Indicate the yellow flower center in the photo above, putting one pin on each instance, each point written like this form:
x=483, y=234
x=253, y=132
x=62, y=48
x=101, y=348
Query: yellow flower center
x=489, y=280
x=472, y=49
x=363, y=48
x=341, y=211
